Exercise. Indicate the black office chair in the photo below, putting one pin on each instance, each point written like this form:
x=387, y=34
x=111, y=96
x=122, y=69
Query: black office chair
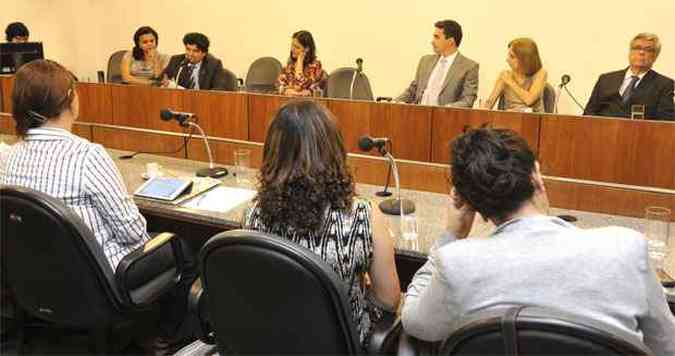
x=340, y=82
x=58, y=273
x=530, y=330
x=407, y=264
x=262, y=74
x=114, y=71
x=231, y=81
x=268, y=295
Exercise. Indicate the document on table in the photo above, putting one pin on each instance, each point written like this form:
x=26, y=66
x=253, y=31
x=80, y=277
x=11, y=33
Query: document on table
x=220, y=199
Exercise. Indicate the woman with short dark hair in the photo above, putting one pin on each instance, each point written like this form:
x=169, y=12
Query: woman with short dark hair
x=143, y=64
x=303, y=75
x=522, y=87
x=306, y=194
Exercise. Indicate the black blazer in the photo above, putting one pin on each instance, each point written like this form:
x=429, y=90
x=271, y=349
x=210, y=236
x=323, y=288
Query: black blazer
x=655, y=91
x=211, y=73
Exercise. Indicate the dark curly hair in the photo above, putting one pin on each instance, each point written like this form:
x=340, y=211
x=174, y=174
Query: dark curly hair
x=137, y=51
x=304, y=168
x=491, y=170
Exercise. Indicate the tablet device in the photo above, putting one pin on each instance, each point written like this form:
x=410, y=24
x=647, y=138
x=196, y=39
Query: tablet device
x=163, y=188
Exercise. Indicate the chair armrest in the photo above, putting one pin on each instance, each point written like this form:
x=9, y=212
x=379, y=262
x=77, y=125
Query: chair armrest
x=150, y=271
x=385, y=335
x=384, y=98
x=197, y=307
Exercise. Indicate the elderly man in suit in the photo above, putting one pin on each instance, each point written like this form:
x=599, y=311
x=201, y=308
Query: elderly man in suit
x=197, y=68
x=530, y=258
x=446, y=78
x=615, y=92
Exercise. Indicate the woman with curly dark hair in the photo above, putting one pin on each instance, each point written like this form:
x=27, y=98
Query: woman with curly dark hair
x=306, y=195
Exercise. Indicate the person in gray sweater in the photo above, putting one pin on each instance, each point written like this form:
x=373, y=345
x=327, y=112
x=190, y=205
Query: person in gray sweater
x=530, y=258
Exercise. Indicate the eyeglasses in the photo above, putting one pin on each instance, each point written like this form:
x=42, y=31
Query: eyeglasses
x=646, y=49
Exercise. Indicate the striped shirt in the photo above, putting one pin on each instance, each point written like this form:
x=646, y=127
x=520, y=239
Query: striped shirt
x=84, y=177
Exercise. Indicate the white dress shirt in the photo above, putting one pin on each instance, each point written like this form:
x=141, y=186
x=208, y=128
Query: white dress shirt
x=627, y=78
x=437, y=78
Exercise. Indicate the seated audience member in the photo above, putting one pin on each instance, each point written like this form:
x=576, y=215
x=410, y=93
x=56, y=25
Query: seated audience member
x=615, y=92
x=522, y=87
x=530, y=258
x=17, y=32
x=446, y=78
x=143, y=64
x=306, y=195
x=197, y=68
x=51, y=159
x=302, y=75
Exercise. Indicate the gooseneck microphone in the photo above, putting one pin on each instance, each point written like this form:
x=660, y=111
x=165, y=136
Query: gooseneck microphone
x=392, y=206
x=564, y=80
x=185, y=119
x=357, y=72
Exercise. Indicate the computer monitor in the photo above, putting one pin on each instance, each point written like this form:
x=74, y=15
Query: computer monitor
x=14, y=55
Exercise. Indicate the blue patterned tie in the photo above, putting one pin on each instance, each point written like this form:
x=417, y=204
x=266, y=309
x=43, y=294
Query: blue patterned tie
x=629, y=89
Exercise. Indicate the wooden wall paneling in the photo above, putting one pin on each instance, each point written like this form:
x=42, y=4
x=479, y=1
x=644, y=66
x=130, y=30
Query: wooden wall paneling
x=95, y=103
x=609, y=150
x=220, y=114
x=261, y=110
x=139, y=106
x=527, y=125
x=448, y=123
x=353, y=119
x=82, y=130
x=138, y=141
x=430, y=178
x=408, y=126
x=603, y=199
x=6, y=86
x=7, y=124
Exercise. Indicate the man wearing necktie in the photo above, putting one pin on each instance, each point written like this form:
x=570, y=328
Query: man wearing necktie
x=615, y=92
x=197, y=68
x=446, y=78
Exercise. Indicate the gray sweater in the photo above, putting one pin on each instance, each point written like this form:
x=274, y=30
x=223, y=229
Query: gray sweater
x=602, y=274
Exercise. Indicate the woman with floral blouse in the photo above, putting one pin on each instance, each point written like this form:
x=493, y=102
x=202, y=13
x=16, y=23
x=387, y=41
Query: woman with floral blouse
x=303, y=75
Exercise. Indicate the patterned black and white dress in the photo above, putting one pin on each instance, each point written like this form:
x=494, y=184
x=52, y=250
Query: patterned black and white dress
x=345, y=242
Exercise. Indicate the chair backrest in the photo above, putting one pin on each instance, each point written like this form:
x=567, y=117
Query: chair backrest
x=549, y=98
x=231, y=83
x=340, y=82
x=268, y=295
x=53, y=264
x=262, y=74
x=114, y=72
x=529, y=330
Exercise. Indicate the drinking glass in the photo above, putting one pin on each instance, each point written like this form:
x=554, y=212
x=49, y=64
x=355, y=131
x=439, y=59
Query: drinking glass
x=637, y=112
x=409, y=233
x=242, y=167
x=657, y=231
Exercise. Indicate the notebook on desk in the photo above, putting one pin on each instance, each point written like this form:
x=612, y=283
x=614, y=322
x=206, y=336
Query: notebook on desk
x=220, y=199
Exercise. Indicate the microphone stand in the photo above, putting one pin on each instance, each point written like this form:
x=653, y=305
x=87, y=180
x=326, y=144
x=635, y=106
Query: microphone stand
x=212, y=171
x=395, y=206
x=351, y=87
x=384, y=192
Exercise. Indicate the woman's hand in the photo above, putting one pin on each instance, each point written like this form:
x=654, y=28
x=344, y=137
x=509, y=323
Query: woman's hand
x=507, y=78
x=461, y=225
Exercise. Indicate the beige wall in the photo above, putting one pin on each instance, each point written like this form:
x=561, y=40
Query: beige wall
x=582, y=38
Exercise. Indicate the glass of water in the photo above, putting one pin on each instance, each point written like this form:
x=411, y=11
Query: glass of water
x=657, y=231
x=637, y=112
x=409, y=233
x=242, y=167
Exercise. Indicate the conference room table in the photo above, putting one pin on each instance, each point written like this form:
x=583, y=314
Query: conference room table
x=433, y=211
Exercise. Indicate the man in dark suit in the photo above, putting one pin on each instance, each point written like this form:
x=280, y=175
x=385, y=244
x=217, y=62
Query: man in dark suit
x=196, y=69
x=616, y=92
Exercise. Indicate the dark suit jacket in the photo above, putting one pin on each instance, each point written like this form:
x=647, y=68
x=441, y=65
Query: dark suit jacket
x=211, y=73
x=655, y=91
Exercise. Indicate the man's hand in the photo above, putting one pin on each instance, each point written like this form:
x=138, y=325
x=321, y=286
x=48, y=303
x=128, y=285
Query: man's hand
x=461, y=225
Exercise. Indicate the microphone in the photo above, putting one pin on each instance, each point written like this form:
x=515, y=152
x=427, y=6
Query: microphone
x=367, y=143
x=564, y=80
x=390, y=206
x=181, y=117
x=359, y=65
